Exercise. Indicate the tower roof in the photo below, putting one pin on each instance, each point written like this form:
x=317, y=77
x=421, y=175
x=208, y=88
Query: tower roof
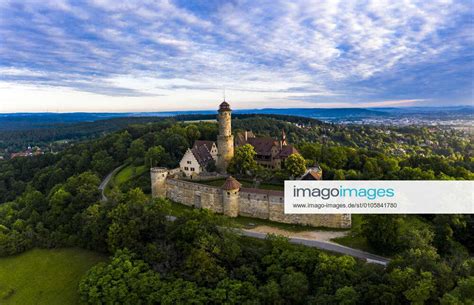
x=231, y=184
x=224, y=106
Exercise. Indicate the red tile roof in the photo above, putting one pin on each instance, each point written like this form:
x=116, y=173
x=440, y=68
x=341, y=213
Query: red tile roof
x=240, y=137
x=224, y=106
x=263, y=146
x=288, y=150
x=202, y=155
x=231, y=184
x=208, y=144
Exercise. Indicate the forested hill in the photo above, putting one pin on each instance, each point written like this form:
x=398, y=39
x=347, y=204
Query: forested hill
x=301, y=120
x=16, y=134
x=44, y=133
x=343, y=151
x=22, y=121
x=52, y=201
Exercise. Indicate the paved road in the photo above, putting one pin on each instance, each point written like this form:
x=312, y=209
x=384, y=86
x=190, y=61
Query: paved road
x=106, y=181
x=323, y=245
x=328, y=246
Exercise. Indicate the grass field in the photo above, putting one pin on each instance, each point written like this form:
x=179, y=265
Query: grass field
x=127, y=173
x=123, y=175
x=44, y=276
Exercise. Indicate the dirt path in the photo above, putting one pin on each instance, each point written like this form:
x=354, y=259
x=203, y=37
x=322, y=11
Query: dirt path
x=311, y=235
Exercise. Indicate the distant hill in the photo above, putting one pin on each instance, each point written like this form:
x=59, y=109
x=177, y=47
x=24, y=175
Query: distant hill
x=23, y=121
x=38, y=132
x=20, y=121
x=320, y=113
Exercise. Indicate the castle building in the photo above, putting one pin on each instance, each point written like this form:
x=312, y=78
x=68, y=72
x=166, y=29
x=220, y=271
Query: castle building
x=225, y=139
x=271, y=153
x=232, y=199
x=197, y=159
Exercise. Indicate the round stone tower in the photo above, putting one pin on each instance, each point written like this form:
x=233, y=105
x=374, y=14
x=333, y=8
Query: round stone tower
x=158, y=181
x=225, y=139
x=230, y=194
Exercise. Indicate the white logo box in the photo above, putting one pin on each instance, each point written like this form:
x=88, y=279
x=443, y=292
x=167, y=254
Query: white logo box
x=410, y=197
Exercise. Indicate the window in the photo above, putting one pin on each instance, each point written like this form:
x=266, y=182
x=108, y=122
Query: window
x=192, y=169
x=186, y=168
x=189, y=162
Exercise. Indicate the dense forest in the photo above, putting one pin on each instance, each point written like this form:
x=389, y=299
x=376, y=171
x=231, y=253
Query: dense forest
x=17, y=136
x=53, y=201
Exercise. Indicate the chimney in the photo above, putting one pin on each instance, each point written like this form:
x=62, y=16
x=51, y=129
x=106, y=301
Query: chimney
x=246, y=135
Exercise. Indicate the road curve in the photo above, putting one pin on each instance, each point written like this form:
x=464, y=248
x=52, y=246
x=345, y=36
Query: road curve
x=328, y=246
x=106, y=181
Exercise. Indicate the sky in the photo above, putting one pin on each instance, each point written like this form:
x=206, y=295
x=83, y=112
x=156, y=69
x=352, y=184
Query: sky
x=127, y=56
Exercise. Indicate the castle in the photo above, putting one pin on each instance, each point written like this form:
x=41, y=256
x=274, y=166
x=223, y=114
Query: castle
x=232, y=199
x=270, y=153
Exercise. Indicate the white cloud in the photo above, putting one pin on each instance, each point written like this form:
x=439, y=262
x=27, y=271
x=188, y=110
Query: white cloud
x=12, y=71
x=266, y=52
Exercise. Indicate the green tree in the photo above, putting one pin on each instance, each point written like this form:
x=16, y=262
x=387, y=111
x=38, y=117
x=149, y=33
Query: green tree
x=155, y=155
x=422, y=289
x=346, y=296
x=135, y=222
x=137, y=151
x=175, y=145
x=243, y=161
x=295, y=164
x=192, y=133
x=339, y=174
x=294, y=287
x=102, y=162
x=125, y=280
x=462, y=294
x=382, y=232
x=270, y=293
x=444, y=228
x=409, y=285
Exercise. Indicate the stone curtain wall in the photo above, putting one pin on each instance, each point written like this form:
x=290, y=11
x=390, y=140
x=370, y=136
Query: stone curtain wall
x=257, y=203
x=195, y=194
x=268, y=204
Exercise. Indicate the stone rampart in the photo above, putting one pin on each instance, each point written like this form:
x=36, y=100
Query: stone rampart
x=257, y=203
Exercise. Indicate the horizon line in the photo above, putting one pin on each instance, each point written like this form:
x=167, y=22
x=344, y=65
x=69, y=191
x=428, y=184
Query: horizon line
x=237, y=109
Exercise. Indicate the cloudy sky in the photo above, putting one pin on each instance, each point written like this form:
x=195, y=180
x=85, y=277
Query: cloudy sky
x=110, y=55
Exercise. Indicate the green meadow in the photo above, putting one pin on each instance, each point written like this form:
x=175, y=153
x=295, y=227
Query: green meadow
x=44, y=276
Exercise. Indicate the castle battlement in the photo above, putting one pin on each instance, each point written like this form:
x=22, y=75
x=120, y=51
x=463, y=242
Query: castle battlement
x=233, y=201
x=158, y=169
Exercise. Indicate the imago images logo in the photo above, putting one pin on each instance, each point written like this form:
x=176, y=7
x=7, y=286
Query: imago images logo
x=379, y=197
x=343, y=192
